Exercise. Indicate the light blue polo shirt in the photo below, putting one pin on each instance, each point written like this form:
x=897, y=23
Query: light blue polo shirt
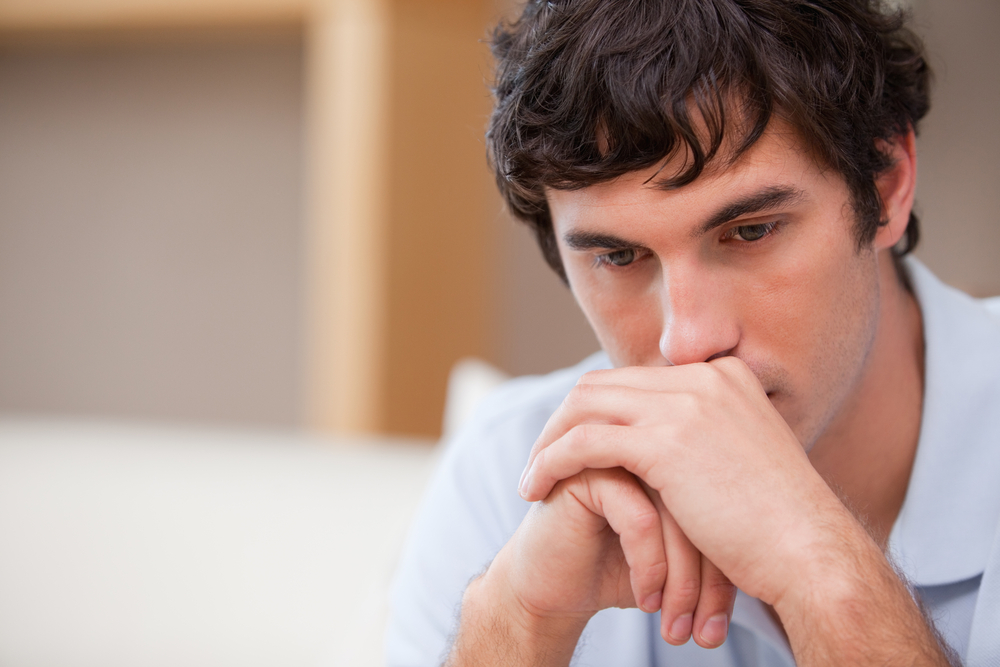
x=946, y=539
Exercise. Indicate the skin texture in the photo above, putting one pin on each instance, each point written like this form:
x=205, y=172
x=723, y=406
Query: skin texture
x=764, y=364
x=799, y=306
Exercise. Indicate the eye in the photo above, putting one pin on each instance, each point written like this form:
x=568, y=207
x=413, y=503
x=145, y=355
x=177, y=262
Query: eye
x=618, y=257
x=750, y=232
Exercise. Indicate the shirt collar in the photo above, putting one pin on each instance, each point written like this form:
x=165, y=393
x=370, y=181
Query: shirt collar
x=946, y=526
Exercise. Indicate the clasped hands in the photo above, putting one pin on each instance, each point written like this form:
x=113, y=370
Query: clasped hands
x=664, y=488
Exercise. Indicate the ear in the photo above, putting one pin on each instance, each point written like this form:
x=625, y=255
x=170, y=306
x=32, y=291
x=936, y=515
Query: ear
x=897, y=186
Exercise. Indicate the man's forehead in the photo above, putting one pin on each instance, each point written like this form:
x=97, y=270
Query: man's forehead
x=781, y=144
x=778, y=158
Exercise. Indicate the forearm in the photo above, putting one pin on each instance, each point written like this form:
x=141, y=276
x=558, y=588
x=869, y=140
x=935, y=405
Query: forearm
x=857, y=611
x=495, y=630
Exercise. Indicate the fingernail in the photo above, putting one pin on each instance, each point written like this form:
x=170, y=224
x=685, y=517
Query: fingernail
x=525, y=485
x=520, y=482
x=652, y=603
x=680, y=631
x=714, y=632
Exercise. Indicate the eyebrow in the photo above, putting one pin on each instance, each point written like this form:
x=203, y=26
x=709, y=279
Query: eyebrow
x=590, y=241
x=764, y=200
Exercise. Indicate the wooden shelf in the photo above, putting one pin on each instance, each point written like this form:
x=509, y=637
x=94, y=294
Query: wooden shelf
x=398, y=198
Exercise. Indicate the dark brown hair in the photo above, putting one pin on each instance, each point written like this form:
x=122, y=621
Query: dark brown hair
x=588, y=90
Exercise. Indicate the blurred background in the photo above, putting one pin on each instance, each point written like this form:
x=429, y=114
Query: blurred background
x=278, y=212
x=243, y=244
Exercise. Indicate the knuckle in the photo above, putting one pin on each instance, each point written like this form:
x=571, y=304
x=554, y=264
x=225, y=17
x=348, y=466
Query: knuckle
x=717, y=375
x=566, y=485
x=733, y=368
x=689, y=403
x=579, y=435
x=580, y=396
x=586, y=480
x=721, y=376
x=685, y=593
x=656, y=571
x=540, y=459
x=646, y=521
x=593, y=480
x=592, y=376
x=587, y=391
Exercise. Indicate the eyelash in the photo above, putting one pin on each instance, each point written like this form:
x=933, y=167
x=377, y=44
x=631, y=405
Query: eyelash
x=605, y=259
x=768, y=229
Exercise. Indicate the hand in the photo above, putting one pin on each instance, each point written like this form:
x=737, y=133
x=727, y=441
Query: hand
x=707, y=440
x=709, y=447
x=597, y=541
x=594, y=543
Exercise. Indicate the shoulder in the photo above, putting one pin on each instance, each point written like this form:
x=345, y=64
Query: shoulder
x=531, y=393
x=992, y=306
x=483, y=462
x=522, y=405
x=470, y=510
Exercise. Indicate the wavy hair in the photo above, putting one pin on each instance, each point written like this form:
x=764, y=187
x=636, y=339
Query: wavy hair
x=588, y=90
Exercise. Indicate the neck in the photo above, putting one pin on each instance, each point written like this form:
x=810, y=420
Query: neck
x=867, y=452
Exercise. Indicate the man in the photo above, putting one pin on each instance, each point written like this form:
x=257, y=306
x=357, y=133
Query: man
x=785, y=406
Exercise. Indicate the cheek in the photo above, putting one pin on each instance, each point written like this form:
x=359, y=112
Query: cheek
x=846, y=330
x=818, y=324
x=627, y=322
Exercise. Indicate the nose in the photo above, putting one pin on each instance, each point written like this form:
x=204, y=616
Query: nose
x=698, y=322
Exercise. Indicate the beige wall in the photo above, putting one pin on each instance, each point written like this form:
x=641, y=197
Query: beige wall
x=152, y=205
x=150, y=227
x=959, y=149
x=539, y=326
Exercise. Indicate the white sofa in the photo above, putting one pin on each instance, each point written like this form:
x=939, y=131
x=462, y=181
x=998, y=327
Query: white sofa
x=137, y=545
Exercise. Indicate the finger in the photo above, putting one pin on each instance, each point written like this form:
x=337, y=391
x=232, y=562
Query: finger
x=589, y=446
x=672, y=378
x=599, y=385
x=593, y=404
x=650, y=378
x=684, y=579
x=624, y=395
x=629, y=512
x=715, y=606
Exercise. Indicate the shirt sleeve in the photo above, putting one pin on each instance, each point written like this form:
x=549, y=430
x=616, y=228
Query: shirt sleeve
x=469, y=512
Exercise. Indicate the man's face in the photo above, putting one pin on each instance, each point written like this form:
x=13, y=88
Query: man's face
x=758, y=260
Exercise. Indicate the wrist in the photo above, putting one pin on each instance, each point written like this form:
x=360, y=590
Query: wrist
x=849, y=606
x=498, y=628
x=831, y=572
x=535, y=629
